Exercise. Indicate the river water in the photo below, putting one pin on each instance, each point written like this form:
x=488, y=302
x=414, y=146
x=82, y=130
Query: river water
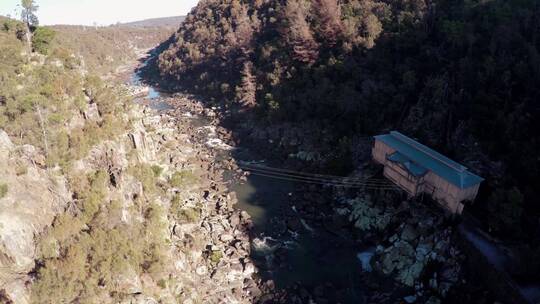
x=304, y=257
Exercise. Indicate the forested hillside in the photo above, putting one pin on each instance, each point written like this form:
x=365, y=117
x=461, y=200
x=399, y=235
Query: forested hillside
x=462, y=76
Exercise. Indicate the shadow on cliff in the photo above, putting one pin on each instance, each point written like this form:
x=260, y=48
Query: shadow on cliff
x=291, y=245
x=360, y=104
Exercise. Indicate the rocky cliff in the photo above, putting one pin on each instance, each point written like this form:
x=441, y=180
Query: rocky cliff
x=104, y=201
x=32, y=197
x=207, y=247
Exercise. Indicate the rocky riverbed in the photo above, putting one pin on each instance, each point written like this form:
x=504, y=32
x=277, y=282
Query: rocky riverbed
x=214, y=250
x=297, y=259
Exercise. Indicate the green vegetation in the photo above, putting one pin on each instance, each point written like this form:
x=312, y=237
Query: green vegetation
x=188, y=215
x=157, y=170
x=42, y=39
x=28, y=14
x=38, y=100
x=146, y=175
x=13, y=26
x=184, y=214
x=64, y=113
x=89, y=265
x=56, y=102
x=83, y=256
x=182, y=179
x=21, y=169
x=215, y=256
x=3, y=190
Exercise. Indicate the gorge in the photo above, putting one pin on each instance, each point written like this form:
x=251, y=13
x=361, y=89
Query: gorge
x=227, y=159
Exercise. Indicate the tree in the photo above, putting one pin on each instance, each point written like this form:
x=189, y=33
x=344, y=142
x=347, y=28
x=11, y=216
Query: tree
x=298, y=33
x=28, y=16
x=362, y=24
x=328, y=13
x=246, y=92
x=42, y=38
x=240, y=30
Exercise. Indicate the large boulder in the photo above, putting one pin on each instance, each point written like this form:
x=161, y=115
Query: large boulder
x=92, y=113
x=368, y=216
x=5, y=141
x=5, y=145
x=128, y=282
x=142, y=143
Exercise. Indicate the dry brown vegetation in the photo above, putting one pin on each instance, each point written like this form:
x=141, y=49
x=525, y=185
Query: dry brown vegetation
x=106, y=48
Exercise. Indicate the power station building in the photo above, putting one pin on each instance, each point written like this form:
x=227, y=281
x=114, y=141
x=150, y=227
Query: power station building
x=418, y=169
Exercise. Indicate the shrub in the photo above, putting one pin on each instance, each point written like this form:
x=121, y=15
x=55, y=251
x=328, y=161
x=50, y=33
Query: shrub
x=14, y=26
x=42, y=39
x=157, y=170
x=189, y=215
x=162, y=283
x=3, y=190
x=182, y=178
x=215, y=256
x=21, y=169
x=63, y=54
x=65, y=226
x=91, y=191
x=144, y=174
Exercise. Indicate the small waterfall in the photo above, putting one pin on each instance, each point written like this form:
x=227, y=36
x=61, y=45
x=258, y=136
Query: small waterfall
x=265, y=245
x=365, y=258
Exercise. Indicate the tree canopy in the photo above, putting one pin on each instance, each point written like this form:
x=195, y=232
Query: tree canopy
x=461, y=76
x=28, y=13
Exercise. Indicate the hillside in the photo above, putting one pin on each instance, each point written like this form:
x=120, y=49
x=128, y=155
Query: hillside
x=103, y=200
x=460, y=76
x=156, y=22
x=107, y=48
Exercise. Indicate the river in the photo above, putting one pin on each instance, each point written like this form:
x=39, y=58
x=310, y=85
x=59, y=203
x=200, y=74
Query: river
x=296, y=253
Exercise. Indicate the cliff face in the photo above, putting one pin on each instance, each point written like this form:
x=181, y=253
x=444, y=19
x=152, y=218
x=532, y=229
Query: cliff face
x=103, y=201
x=33, y=197
x=193, y=229
x=459, y=76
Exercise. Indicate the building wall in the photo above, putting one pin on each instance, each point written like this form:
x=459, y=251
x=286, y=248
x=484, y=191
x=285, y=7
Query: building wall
x=409, y=185
x=447, y=194
x=392, y=171
x=401, y=177
x=380, y=151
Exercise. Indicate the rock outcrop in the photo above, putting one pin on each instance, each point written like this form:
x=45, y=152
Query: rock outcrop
x=209, y=248
x=33, y=197
x=414, y=246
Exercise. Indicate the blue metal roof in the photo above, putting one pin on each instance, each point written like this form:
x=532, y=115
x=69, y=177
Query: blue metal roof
x=423, y=157
x=410, y=165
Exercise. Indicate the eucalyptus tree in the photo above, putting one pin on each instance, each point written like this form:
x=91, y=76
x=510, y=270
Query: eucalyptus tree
x=28, y=16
